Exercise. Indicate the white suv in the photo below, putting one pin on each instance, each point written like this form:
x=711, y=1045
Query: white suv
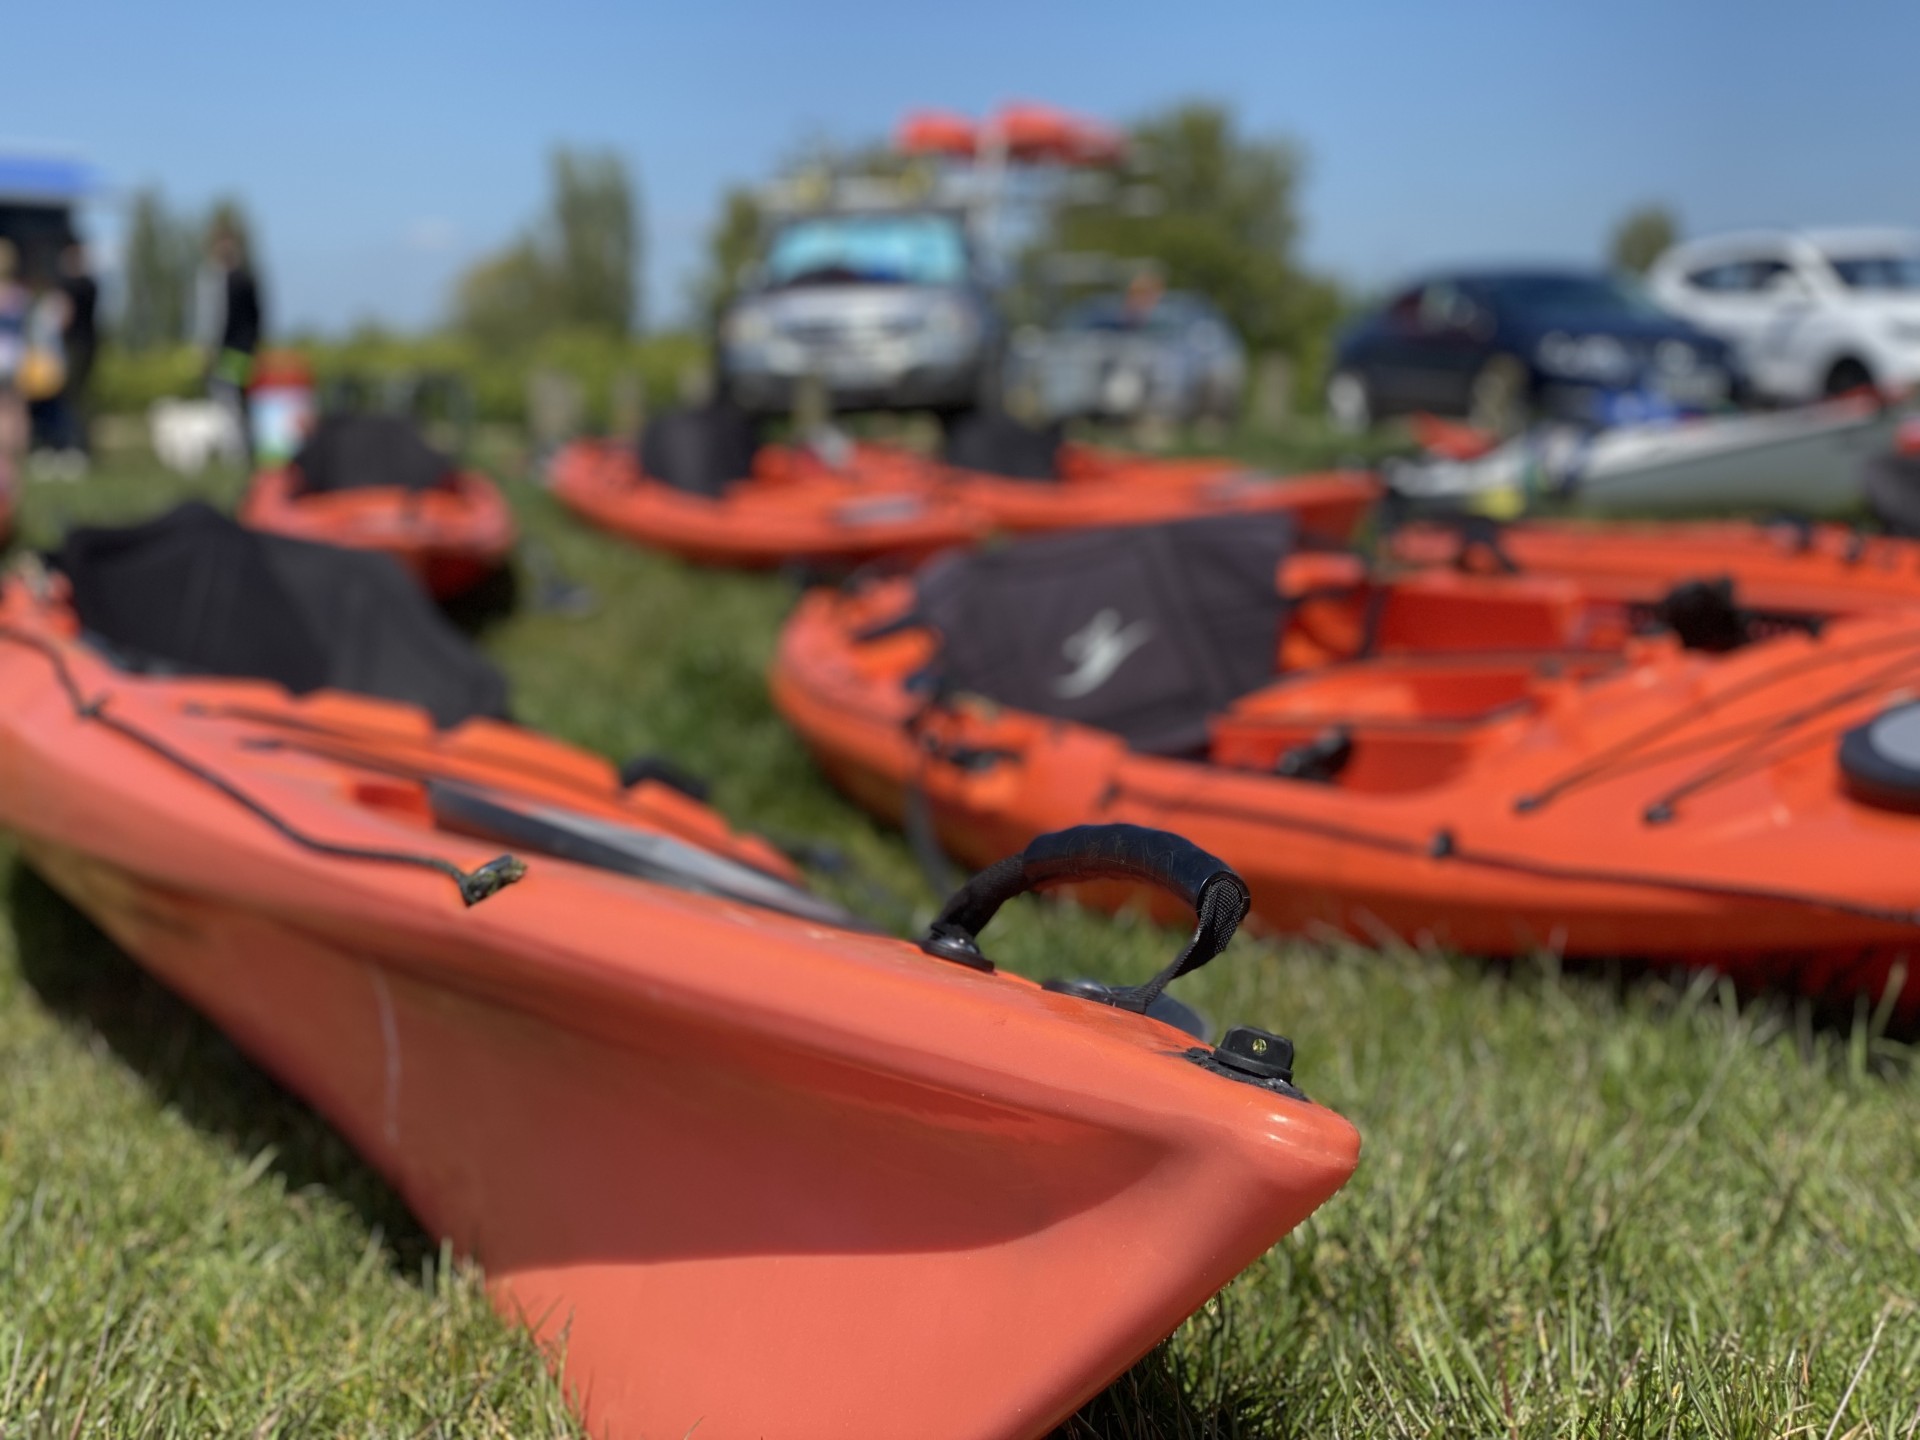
x=1812, y=313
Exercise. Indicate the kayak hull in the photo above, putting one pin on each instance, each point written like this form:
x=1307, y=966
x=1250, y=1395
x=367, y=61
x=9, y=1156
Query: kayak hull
x=1099, y=487
x=1813, y=470
x=889, y=504
x=809, y=516
x=1808, y=461
x=451, y=539
x=1791, y=568
x=1773, y=876
x=740, y=1171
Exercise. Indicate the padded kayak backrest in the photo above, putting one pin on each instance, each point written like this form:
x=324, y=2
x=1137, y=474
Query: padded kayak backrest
x=367, y=452
x=701, y=450
x=1142, y=631
x=994, y=442
x=193, y=592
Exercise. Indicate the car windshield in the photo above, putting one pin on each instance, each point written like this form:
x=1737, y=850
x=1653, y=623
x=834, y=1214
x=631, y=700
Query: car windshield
x=919, y=249
x=1105, y=313
x=1878, y=272
x=1586, y=297
x=1171, y=314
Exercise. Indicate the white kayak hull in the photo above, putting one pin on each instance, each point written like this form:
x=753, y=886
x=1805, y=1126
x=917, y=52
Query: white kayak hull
x=1809, y=460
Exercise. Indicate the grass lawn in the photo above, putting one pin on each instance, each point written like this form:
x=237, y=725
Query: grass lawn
x=1586, y=1207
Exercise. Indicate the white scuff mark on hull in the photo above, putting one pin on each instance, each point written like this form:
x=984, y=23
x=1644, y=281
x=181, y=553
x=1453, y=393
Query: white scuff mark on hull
x=390, y=1048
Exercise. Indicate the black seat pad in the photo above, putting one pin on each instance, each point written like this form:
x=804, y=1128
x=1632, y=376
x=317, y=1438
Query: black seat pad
x=1144, y=631
x=994, y=442
x=193, y=592
x=699, y=449
x=366, y=452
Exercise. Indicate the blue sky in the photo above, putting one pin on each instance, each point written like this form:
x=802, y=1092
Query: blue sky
x=383, y=146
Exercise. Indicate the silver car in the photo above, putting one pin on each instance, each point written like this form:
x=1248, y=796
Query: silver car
x=1176, y=359
x=886, y=307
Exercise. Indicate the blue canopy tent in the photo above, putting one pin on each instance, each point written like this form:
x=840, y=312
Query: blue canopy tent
x=38, y=193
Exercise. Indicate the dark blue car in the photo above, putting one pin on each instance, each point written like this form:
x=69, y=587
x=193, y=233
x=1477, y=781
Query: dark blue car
x=1500, y=347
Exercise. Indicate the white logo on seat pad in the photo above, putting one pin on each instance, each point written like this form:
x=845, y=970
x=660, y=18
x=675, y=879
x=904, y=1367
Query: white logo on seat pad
x=1096, y=650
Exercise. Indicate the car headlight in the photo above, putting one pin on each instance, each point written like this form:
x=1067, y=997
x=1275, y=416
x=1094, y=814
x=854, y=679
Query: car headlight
x=1905, y=331
x=747, y=326
x=1584, y=357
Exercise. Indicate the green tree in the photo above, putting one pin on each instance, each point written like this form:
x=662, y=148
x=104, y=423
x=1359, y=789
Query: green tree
x=229, y=215
x=733, y=244
x=1215, y=209
x=1642, y=237
x=595, y=244
x=160, y=257
x=578, y=269
x=506, y=302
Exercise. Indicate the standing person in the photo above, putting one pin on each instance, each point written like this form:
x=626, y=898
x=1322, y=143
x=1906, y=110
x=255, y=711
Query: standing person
x=42, y=380
x=82, y=339
x=228, y=324
x=14, y=305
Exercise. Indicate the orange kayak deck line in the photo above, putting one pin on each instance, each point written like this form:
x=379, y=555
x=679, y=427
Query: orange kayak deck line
x=888, y=503
x=450, y=538
x=754, y=1174
x=1486, y=786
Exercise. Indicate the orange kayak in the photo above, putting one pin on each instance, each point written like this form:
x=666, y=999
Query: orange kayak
x=755, y=1170
x=1784, y=567
x=1497, y=763
x=793, y=504
x=370, y=483
x=1096, y=487
x=1032, y=480
x=789, y=509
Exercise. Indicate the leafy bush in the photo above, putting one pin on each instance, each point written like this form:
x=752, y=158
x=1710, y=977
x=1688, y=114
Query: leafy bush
x=128, y=381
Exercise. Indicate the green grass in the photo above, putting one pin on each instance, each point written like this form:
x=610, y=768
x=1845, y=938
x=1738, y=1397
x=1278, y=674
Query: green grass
x=1588, y=1206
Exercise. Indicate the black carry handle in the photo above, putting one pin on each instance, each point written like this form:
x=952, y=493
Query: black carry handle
x=1209, y=885
x=1480, y=534
x=1476, y=533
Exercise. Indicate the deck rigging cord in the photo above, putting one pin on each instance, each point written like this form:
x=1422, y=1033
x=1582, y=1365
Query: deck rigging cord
x=1749, y=738
x=1754, y=749
x=1444, y=846
x=474, y=885
x=1679, y=718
